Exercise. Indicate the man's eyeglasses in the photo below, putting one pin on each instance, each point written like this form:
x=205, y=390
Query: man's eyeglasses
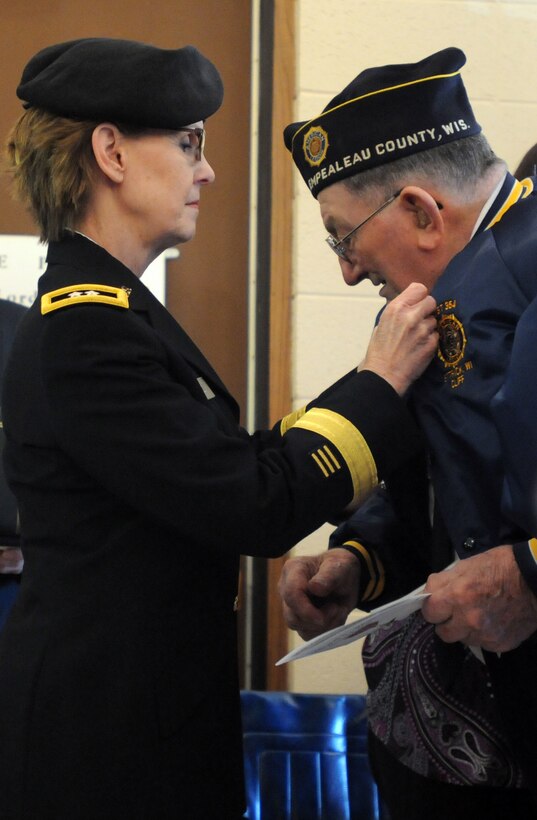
x=341, y=246
x=197, y=140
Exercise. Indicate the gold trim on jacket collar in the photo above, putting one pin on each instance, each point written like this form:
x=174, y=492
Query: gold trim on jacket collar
x=520, y=190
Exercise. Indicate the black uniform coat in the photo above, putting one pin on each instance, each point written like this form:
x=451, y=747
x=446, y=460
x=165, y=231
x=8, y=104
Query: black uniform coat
x=138, y=491
x=10, y=315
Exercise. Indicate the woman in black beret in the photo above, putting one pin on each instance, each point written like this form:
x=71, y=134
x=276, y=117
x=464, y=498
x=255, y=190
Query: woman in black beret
x=138, y=490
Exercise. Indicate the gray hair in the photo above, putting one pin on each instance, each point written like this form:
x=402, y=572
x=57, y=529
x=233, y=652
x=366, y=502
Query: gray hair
x=459, y=166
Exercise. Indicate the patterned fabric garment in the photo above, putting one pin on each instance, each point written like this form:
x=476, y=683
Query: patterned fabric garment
x=419, y=688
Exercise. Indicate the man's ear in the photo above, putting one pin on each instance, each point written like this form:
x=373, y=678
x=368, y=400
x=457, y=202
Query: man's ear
x=427, y=216
x=109, y=150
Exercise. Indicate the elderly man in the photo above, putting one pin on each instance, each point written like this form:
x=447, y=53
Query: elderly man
x=409, y=189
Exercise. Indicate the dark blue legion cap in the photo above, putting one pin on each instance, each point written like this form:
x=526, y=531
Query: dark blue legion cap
x=384, y=114
x=125, y=81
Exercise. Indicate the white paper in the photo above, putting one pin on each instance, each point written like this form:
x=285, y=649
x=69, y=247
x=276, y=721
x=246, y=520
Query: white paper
x=342, y=635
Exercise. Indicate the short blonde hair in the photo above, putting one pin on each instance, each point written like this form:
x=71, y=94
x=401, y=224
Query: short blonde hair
x=51, y=161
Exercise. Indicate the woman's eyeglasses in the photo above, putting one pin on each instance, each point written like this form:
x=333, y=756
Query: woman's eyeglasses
x=197, y=140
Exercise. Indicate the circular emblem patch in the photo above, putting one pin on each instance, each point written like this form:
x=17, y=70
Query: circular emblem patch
x=452, y=340
x=315, y=145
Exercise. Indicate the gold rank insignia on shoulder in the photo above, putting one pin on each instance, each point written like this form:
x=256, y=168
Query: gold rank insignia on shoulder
x=82, y=294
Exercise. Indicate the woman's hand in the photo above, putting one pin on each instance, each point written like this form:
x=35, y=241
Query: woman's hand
x=405, y=339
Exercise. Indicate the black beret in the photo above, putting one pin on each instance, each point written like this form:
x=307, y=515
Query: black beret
x=384, y=114
x=103, y=78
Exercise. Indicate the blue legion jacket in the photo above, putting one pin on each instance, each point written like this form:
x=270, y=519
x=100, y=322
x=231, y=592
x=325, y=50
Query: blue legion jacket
x=487, y=303
x=138, y=491
x=483, y=297
x=477, y=405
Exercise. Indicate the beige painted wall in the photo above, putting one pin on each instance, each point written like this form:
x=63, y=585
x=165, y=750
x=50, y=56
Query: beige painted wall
x=332, y=322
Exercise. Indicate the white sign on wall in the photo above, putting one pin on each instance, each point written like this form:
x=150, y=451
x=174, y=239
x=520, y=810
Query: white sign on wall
x=23, y=260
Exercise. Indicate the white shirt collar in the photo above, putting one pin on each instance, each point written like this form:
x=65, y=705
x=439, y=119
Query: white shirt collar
x=487, y=205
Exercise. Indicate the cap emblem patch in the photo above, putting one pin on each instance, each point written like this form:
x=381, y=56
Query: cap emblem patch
x=315, y=145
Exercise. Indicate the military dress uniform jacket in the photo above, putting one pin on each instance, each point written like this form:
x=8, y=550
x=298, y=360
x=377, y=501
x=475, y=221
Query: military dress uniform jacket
x=138, y=491
x=10, y=315
x=485, y=298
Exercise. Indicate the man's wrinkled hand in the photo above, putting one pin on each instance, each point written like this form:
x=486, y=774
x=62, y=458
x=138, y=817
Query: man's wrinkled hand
x=482, y=601
x=319, y=591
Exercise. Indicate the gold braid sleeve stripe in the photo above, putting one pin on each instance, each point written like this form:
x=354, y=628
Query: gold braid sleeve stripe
x=290, y=420
x=532, y=543
x=376, y=571
x=350, y=443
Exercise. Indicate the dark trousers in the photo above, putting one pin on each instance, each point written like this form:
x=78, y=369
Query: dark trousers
x=513, y=677
x=409, y=796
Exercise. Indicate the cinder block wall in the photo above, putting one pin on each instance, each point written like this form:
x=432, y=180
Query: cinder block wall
x=332, y=322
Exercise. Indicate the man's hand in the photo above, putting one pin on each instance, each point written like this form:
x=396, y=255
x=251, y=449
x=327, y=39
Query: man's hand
x=405, y=339
x=482, y=601
x=11, y=561
x=319, y=591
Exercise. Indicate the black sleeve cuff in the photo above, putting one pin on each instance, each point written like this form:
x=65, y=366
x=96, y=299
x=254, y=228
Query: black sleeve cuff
x=372, y=577
x=525, y=553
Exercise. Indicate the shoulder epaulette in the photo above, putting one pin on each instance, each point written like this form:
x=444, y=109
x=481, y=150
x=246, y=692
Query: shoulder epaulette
x=82, y=294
